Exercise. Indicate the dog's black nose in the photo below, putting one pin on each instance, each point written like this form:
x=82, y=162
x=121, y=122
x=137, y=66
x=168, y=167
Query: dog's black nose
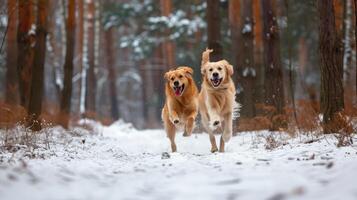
x=215, y=74
x=176, y=83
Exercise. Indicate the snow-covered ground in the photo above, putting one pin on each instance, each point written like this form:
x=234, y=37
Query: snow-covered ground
x=120, y=162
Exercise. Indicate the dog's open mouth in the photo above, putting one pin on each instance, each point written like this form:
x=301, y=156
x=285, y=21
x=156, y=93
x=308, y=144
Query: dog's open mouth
x=216, y=82
x=179, y=90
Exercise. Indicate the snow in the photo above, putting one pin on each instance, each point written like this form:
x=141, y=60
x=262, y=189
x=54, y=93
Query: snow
x=32, y=30
x=247, y=28
x=120, y=162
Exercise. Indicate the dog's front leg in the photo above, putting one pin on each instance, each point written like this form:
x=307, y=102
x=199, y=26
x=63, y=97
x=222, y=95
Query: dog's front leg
x=173, y=116
x=190, y=124
x=215, y=120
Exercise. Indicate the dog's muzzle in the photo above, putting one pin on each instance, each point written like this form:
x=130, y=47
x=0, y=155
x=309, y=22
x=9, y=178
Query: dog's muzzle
x=179, y=89
x=216, y=81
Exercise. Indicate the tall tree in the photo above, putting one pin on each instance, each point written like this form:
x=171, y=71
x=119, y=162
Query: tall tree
x=331, y=99
x=258, y=51
x=68, y=65
x=273, y=82
x=168, y=47
x=11, y=55
x=110, y=53
x=213, y=29
x=355, y=4
x=90, y=89
x=37, y=81
x=245, y=64
x=339, y=13
x=79, y=46
x=235, y=26
x=347, y=41
x=25, y=41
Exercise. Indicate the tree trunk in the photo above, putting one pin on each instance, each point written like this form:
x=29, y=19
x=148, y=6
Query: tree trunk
x=258, y=52
x=234, y=16
x=246, y=69
x=11, y=55
x=355, y=3
x=54, y=56
x=331, y=99
x=68, y=65
x=25, y=42
x=347, y=42
x=110, y=54
x=35, y=102
x=90, y=78
x=168, y=46
x=338, y=9
x=213, y=30
x=79, y=47
x=274, y=91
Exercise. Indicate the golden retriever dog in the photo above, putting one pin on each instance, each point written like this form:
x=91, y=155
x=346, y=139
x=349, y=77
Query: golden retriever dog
x=217, y=104
x=181, y=104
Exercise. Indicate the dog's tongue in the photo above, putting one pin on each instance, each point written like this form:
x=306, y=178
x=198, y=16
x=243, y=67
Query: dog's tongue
x=177, y=91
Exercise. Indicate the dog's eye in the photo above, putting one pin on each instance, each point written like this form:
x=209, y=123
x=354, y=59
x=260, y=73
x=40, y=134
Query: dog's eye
x=180, y=76
x=210, y=69
x=172, y=78
x=219, y=68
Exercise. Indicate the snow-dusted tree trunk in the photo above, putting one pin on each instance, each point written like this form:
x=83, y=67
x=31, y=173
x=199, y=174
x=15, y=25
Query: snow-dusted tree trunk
x=79, y=53
x=85, y=66
x=68, y=65
x=245, y=70
x=258, y=51
x=37, y=81
x=90, y=88
x=25, y=45
x=331, y=100
x=11, y=54
x=347, y=41
x=273, y=82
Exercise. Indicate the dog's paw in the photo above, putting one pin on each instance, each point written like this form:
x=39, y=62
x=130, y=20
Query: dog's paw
x=214, y=149
x=186, y=134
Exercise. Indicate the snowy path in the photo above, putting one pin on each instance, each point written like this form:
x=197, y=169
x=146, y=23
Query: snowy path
x=125, y=163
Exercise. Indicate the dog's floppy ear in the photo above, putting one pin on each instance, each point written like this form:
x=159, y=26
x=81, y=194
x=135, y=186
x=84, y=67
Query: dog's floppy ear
x=229, y=67
x=187, y=70
x=167, y=75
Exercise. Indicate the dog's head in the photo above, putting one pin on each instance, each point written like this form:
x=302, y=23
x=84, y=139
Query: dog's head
x=217, y=72
x=179, y=79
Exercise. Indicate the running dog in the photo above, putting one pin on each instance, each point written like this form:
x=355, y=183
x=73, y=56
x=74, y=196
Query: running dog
x=217, y=104
x=181, y=104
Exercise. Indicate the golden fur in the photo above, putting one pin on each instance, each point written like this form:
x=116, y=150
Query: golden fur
x=180, y=109
x=217, y=102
